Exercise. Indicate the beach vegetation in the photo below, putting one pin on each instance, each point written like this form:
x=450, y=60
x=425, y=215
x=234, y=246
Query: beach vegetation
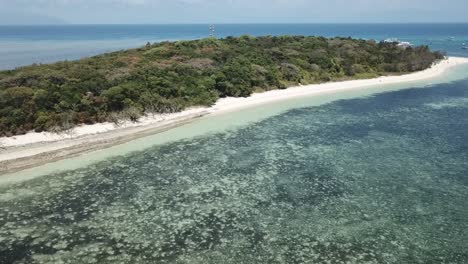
x=168, y=77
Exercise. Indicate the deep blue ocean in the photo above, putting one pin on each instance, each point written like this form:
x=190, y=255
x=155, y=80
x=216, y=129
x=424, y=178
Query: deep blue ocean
x=24, y=45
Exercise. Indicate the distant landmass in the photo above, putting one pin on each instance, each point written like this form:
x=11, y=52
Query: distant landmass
x=28, y=19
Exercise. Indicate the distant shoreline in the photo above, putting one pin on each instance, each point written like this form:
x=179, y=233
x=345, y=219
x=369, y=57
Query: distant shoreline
x=34, y=149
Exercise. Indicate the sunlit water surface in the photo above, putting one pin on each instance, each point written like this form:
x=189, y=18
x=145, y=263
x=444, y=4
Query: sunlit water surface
x=372, y=179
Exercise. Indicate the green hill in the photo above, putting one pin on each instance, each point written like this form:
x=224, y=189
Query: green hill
x=170, y=76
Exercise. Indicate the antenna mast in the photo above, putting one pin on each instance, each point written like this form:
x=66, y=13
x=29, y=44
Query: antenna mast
x=212, y=31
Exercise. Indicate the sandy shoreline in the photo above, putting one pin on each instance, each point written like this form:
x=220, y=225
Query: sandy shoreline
x=33, y=149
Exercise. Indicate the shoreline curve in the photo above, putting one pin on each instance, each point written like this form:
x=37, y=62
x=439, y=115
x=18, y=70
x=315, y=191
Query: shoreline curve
x=34, y=149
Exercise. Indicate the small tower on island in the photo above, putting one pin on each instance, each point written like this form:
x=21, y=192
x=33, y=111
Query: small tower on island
x=212, y=30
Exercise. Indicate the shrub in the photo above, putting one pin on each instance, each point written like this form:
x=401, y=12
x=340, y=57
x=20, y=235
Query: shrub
x=170, y=76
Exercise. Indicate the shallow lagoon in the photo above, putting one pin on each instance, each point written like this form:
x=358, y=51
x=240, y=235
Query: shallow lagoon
x=371, y=179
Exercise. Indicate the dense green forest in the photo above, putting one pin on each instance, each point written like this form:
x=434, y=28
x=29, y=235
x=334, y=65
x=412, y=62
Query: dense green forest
x=170, y=76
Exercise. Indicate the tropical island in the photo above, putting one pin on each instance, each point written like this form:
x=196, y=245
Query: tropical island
x=169, y=77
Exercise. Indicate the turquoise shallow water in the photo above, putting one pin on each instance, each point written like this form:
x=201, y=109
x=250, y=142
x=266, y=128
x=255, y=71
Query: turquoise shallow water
x=348, y=178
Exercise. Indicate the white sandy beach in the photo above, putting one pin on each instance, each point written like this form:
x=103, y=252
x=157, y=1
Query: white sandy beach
x=49, y=146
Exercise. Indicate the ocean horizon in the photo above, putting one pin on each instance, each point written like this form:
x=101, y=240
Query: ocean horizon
x=360, y=171
x=129, y=137
x=22, y=45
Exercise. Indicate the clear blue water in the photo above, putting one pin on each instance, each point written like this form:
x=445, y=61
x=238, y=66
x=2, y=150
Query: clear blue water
x=24, y=45
x=376, y=179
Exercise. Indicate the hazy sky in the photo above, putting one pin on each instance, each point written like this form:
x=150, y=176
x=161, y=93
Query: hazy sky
x=230, y=11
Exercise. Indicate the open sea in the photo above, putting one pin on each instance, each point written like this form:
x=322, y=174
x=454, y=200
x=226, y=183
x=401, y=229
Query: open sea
x=375, y=175
x=24, y=45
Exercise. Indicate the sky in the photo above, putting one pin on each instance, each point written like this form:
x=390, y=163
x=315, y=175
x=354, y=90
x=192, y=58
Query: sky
x=230, y=11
